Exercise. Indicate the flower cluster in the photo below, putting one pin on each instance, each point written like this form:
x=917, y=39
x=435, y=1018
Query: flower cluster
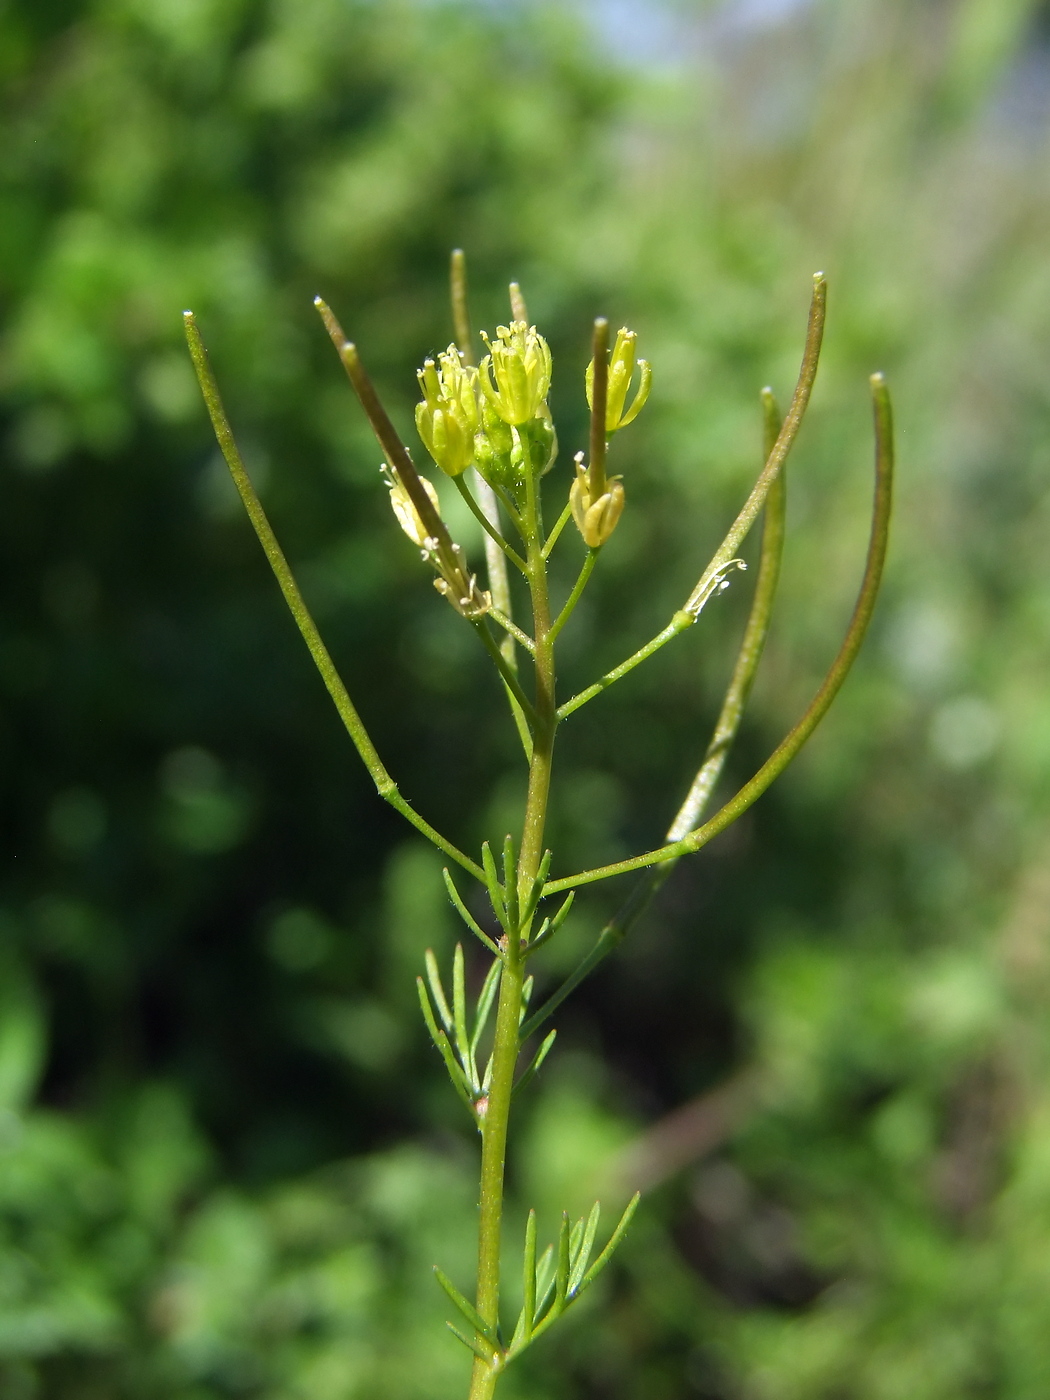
x=497, y=419
x=597, y=502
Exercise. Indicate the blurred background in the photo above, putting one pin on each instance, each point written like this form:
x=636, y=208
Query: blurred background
x=228, y=1156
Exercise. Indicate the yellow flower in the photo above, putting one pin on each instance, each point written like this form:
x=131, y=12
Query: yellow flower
x=595, y=519
x=515, y=375
x=447, y=418
x=621, y=371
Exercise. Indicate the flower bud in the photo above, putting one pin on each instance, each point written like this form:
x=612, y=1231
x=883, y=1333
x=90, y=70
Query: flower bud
x=622, y=365
x=447, y=418
x=494, y=448
x=595, y=519
x=542, y=441
x=515, y=375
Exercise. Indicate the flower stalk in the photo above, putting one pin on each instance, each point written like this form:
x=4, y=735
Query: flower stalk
x=489, y=429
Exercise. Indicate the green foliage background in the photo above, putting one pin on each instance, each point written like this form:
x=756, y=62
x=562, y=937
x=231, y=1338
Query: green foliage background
x=227, y=1157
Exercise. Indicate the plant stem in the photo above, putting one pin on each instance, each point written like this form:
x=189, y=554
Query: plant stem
x=507, y=1042
x=574, y=596
x=491, y=533
x=680, y=623
x=508, y=677
x=512, y=629
x=559, y=526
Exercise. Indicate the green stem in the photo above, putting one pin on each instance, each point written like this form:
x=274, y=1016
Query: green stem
x=559, y=526
x=507, y=1042
x=577, y=591
x=494, y=1154
x=512, y=629
x=490, y=530
x=829, y=688
x=508, y=677
x=678, y=624
x=385, y=785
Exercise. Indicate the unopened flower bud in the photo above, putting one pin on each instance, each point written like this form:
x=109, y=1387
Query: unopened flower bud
x=515, y=375
x=447, y=418
x=595, y=519
x=493, y=448
x=622, y=365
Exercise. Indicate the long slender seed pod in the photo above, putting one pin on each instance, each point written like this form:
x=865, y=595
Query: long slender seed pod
x=385, y=785
x=785, y=440
x=599, y=396
x=395, y=450
x=829, y=688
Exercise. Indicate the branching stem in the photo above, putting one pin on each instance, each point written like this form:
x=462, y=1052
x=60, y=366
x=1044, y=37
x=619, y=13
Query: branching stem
x=507, y=1041
x=492, y=534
